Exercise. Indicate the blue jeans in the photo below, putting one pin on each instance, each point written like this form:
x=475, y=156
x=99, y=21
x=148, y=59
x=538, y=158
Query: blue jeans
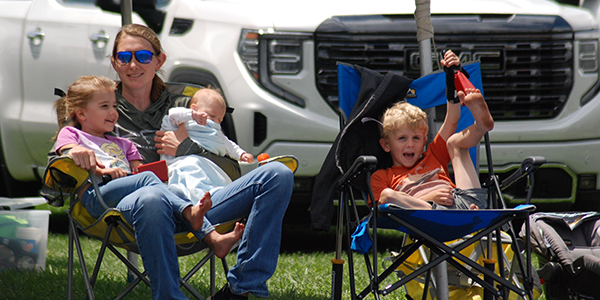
x=262, y=196
x=155, y=214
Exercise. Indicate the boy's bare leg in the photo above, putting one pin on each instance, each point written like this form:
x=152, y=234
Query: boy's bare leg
x=465, y=175
x=221, y=244
x=401, y=199
x=195, y=214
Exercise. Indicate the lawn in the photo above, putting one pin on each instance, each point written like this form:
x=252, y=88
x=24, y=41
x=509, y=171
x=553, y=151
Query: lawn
x=303, y=272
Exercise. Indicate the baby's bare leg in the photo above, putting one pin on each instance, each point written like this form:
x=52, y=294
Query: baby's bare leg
x=221, y=244
x=195, y=214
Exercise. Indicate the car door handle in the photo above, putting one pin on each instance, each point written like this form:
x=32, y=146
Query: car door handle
x=100, y=38
x=36, y=36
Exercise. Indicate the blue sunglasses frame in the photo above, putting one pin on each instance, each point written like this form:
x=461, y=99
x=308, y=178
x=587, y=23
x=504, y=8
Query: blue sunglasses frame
x=142, y=56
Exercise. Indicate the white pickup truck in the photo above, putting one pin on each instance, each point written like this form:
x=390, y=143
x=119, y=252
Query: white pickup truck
x=275, y=62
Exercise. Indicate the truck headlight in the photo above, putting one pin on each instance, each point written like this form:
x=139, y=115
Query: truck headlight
x=588, y=64
x=588, y=56
x=270, y=53
x=248, y=51
x=285, y=57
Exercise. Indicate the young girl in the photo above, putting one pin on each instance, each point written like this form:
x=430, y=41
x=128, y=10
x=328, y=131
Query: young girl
x=85, y=114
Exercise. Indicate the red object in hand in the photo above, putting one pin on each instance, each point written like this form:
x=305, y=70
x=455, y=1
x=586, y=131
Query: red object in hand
x=158, y=167
x=461, y=82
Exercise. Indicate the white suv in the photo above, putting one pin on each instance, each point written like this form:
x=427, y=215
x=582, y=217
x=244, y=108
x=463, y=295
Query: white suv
x=275, y=62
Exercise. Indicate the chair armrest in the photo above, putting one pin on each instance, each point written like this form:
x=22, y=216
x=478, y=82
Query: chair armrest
x=528, y=166
x=362, y=164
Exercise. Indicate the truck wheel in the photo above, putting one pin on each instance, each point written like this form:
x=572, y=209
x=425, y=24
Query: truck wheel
x=11, y=188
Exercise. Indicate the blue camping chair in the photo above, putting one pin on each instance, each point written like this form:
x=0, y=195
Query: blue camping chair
x=356, y=153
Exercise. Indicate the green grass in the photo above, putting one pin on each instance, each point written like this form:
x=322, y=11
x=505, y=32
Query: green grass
x=303, y=272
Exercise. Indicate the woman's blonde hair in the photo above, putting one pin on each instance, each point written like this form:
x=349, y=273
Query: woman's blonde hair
x=137, y=30
x=403, y=114
x=78, y=96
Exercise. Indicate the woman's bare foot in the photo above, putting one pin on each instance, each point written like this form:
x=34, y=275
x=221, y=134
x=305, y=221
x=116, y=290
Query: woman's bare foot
x=476, y=104
x=195, y=214
x=221, y=244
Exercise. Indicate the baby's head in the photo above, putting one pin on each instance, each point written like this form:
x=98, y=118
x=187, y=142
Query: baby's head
x=404, y=133
x=210, y=101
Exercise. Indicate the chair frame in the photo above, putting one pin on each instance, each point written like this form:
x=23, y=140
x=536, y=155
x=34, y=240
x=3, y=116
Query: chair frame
x=114, y=223
x=364, y=166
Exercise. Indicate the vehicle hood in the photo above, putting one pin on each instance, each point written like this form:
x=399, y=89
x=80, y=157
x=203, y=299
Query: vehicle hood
x=308, y=14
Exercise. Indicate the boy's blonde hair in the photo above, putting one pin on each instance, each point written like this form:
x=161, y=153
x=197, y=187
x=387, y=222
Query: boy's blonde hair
x=403, y=114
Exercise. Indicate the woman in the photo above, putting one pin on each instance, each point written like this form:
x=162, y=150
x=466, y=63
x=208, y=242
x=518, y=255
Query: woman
x=262, y=195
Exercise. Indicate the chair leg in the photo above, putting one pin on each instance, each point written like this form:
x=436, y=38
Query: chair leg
x=131, y=286
x=337, y=263
x=213, y=275
x=70, y=265
x=88, y=285
x=133, y=258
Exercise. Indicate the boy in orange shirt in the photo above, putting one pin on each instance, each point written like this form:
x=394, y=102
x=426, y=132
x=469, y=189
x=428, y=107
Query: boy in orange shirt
x=419, y=179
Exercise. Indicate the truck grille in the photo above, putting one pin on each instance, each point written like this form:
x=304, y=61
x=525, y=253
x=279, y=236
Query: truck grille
x=527, y=73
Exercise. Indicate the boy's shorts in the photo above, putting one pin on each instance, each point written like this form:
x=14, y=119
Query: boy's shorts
x=464, y=198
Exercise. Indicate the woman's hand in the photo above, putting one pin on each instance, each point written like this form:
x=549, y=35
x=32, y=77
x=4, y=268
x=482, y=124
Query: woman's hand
x=168, y=141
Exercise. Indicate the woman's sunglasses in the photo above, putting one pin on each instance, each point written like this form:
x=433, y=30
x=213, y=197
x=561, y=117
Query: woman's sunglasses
x=143, y=56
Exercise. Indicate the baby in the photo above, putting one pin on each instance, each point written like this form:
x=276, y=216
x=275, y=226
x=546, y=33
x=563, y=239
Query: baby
x=208, y=108
x=193, y=176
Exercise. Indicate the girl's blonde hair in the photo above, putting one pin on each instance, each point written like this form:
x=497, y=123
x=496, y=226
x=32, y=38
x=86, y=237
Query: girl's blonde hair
x=403, y=114
x=137, y=30
x=78, y=96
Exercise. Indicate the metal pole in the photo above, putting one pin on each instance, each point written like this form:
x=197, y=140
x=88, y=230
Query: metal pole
x=126, y=12
x=424, y=36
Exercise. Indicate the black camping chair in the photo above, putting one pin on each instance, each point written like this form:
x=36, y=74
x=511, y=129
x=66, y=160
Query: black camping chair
x=355, y=154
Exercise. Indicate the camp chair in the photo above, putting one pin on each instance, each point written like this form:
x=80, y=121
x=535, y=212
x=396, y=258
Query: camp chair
x=568, y=249
x=62, y=181
x=355, y=154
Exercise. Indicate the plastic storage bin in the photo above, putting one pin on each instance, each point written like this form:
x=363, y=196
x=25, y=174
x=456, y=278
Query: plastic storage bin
x=23, y=239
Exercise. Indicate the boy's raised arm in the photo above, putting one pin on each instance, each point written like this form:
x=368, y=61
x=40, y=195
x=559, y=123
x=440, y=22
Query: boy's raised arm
x=448, y=128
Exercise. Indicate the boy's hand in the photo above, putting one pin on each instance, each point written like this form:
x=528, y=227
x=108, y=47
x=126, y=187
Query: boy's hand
x=442, y=197
x=247, y=157
x=200, y=117
x=450, y=59
x=451, y=64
